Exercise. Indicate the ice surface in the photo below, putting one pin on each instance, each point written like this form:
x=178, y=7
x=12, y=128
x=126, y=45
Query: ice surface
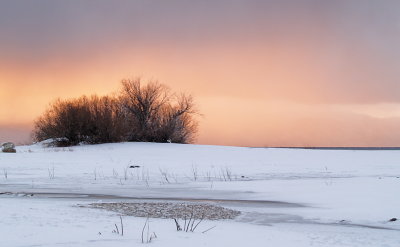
x=288, y=197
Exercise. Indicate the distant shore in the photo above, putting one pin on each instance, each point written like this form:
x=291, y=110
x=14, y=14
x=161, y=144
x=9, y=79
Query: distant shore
x=343, y=148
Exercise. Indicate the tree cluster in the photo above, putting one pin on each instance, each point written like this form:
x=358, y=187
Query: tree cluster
x=139, y=113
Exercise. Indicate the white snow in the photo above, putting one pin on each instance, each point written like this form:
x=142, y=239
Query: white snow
x=328, y=197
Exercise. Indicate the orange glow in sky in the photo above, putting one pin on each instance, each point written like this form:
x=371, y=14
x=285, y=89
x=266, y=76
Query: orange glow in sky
x=263, y=73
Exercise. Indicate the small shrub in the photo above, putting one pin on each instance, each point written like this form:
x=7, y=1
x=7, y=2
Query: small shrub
x=148, y=113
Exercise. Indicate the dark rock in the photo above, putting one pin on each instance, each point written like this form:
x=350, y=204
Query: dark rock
x=8, y=147
x=393, y=219
x=134, y=167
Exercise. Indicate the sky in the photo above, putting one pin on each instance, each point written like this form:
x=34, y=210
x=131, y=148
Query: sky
x=263, y=72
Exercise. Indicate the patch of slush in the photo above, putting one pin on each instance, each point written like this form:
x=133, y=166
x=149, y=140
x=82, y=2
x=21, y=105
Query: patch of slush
x=168, y=210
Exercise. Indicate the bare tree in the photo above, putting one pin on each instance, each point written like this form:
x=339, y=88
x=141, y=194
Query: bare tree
x=148, y=113
x=108, y=120
x=156, y=115
x=91, y=120
x=176, y=122
x=66, y=120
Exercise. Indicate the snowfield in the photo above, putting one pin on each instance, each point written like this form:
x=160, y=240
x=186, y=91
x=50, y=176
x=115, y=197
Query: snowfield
x=287, y=197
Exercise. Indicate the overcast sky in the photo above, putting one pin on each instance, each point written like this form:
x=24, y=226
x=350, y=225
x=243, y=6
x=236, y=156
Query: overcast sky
x=264, y=73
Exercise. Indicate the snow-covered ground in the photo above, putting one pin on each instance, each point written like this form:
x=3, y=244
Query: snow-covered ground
x=288, y=197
